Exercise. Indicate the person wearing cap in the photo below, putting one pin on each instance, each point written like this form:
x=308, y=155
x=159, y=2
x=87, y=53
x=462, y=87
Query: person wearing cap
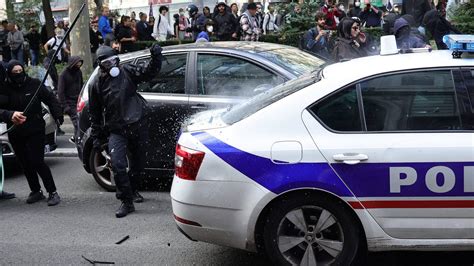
x=118, y=111
x=3, y=101
x=249, y=25
x=198, y=21
x=225, y=24
x=28, y=135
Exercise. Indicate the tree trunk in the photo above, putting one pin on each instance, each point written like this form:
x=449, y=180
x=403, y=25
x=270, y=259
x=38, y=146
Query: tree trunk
x=80, y=40
x=100, y=5
x=48, y=15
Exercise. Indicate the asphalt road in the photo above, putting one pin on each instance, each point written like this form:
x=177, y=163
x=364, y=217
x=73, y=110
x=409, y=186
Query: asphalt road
x=84, y=225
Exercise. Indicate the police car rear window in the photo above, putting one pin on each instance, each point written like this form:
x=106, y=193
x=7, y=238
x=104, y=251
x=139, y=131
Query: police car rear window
x=245, y=109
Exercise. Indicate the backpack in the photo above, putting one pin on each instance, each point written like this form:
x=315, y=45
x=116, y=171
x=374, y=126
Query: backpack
x=64, y=55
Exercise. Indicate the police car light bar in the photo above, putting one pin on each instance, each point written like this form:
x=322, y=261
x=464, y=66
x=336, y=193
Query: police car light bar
x=459, y=44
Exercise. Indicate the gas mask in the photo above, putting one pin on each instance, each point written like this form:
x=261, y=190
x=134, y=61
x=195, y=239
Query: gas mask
x=111, y=66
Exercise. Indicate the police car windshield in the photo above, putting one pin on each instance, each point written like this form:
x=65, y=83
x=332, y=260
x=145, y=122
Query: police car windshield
x=245, y=109
x=293, y=60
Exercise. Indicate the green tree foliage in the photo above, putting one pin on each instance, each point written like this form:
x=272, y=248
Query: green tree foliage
x=299, y=22
x=24, y=14
x=462, y=17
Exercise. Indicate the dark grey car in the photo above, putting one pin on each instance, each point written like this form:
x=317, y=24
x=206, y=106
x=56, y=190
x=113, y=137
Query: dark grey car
x=194, y=77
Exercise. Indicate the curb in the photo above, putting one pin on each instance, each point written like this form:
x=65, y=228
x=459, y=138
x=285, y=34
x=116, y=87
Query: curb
x=62, y=152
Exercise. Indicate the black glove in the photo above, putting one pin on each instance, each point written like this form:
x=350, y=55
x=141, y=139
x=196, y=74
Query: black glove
x=189, y=30
x=155, y=50
x=97, y=144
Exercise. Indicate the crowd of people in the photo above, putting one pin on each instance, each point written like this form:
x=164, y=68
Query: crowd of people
x=339, y=36
x=227, y=23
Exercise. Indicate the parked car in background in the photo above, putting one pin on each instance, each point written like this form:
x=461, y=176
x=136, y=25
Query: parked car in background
x=193, y=78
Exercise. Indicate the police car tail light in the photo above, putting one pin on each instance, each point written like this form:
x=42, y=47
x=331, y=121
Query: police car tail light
x=187, y=162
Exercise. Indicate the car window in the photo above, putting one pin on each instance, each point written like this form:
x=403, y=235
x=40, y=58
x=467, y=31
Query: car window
x=293, y=60
x=340, y=111
x=171, y=78
x=466, y=98
x=230, y=76
x=240, y=111
x=469, y=81
x=424, y=100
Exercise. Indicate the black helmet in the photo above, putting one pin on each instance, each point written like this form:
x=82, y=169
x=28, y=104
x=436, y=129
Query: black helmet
x=105, y=52
x=192, y=10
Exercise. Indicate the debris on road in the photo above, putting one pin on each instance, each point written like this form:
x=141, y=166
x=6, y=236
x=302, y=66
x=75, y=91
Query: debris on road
x=122, y=240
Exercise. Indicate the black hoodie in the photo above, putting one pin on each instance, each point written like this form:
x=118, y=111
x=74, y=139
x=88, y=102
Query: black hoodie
x=19, y=95
x=70, y=83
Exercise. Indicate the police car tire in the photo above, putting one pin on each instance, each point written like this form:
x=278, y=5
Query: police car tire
x=98, y=179
x=349, y=227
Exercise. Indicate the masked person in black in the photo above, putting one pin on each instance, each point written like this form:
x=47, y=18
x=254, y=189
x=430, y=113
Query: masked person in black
x=3, y=101
x=28, y=136
x=117, y=110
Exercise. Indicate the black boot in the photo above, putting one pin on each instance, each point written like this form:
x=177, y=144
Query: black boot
x=137, y=198
x=35, y=197
x=125, y=208
x=6, y=195
x=53, y=199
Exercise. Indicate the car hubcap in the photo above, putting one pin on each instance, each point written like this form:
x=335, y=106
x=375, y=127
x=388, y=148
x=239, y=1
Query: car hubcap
x=103, y=167
x=310, y=236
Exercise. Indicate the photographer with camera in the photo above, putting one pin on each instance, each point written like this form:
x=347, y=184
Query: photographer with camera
x=316, y=39
x=371, y=16
x=118, y=111
x=331, y=12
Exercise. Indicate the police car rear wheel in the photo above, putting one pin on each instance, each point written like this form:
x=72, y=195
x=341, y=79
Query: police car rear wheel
x=310, y=230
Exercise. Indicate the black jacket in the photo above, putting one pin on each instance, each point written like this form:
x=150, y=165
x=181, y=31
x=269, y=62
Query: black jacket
x=14, y=97
x=346, y=49
x=70, y=84
x=114, y=102
x=225, y=26
x=416, y=8
x=33, y=38
x=144, y=31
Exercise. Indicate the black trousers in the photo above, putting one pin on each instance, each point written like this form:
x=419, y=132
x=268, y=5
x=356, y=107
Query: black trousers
x=72, y=113
x=29, y=151
x=132, y=140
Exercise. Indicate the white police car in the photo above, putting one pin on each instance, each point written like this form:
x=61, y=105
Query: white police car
x=377, y=152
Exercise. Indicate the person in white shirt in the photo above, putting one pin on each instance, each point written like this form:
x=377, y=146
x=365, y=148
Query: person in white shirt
x=53, y=44
x=162, y=27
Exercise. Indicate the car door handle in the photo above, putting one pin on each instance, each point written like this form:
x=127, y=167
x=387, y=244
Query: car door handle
x=350, y=158
x=199, y=106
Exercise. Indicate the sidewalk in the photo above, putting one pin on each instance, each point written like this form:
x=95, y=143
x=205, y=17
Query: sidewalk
x=65, y=148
